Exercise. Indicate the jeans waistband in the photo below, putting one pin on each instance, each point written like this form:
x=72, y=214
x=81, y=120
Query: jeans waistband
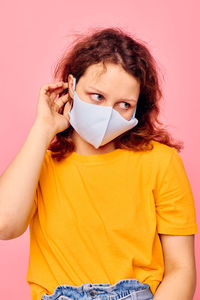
x=123, y=289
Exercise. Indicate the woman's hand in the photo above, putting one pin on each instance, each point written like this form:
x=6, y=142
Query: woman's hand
x=48, y=107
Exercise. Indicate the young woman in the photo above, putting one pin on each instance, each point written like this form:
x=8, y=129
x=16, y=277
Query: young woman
x=104, y=190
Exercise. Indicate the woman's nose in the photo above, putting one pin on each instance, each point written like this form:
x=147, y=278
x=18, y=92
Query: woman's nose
x=108, y=103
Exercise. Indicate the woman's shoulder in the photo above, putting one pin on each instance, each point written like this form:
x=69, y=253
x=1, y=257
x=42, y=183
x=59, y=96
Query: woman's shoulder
x=47, y=160
x=164, y=156
x=162, y=149
x=158, y=150
x=159, y=154
x=47, y=157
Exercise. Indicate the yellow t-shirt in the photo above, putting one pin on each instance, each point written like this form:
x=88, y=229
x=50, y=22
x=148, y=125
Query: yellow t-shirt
x=99, y=217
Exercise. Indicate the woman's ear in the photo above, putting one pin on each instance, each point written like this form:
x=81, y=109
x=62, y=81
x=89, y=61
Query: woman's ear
x=70, y=86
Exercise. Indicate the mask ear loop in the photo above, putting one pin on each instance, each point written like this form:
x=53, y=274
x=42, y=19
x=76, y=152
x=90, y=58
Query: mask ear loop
x=133, y=116
x=74, y=83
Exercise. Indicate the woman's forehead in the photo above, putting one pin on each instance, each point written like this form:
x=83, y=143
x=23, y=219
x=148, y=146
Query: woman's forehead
x=114, y=75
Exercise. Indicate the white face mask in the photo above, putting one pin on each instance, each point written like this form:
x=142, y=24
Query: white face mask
x=97, y=124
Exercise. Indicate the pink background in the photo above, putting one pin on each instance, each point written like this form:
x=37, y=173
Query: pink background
x=33, y=36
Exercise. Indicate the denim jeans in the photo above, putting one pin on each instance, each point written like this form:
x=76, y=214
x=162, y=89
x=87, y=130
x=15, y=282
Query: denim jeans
x=126, y=289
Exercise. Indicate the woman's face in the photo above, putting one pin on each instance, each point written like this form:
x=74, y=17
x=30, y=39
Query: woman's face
x=113, y=87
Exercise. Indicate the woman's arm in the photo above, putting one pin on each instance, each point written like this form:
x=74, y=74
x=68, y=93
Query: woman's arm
x=179, y=280
x=18, y=183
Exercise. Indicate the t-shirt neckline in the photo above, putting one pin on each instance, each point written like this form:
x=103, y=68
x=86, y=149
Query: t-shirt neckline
x=104, y=157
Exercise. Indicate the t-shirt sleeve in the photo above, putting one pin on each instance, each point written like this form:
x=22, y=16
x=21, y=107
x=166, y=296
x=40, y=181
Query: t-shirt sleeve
x=43, y=170
x=37, y=191
x=174, y=202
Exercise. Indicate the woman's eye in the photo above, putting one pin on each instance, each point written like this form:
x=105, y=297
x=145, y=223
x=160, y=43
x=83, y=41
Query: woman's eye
x=127, y=105
x=96, y=98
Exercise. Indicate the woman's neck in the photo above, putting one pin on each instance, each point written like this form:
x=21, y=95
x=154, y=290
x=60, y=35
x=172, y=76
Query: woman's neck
x=84, y=148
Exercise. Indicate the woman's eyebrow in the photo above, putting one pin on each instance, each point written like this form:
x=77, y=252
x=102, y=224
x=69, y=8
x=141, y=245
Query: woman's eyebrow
x=129, y=99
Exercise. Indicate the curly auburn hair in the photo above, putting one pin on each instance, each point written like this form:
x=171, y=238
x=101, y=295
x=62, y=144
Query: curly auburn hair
x=114, y=45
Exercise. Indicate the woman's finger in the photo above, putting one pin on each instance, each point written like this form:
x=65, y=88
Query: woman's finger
x=54, y=93
x=61, y=101
x=60, y=85
x=66, y=110
x=56, y=87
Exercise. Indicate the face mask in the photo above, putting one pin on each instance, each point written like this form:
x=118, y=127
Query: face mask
x=97, y=124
